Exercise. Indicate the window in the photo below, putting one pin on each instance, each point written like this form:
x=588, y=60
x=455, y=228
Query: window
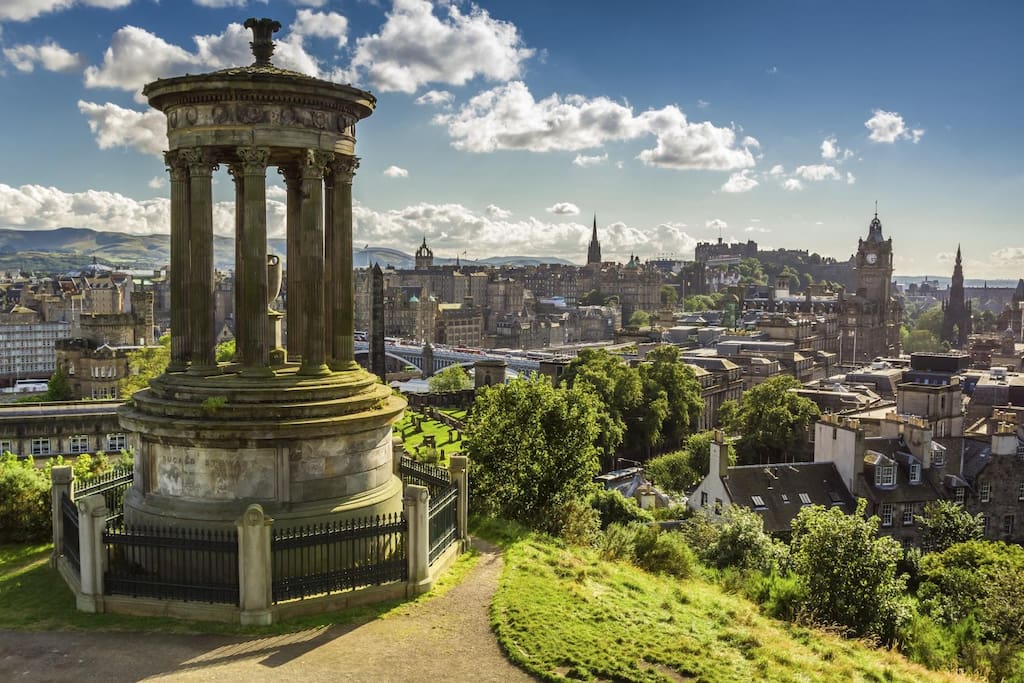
x=758, y=502
x=1020, y=491
x=703, y=499
x=116, y=442
x=915, y=473
x=958, y=495
x=985, y=522
x=78, y=444
x=986, y=491
x=1020, y=451
x=805, y=499
x=785, y=498
x=6, y=446
x=938, y=456
x=908, y=514
x=885, y=475
x=40, y=446
x=885, y=512
x=1008, y=525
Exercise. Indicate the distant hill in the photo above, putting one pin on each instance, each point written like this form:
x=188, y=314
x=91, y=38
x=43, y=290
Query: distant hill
x=64, y=249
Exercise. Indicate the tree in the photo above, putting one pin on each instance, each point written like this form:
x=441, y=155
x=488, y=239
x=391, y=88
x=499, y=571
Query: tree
x=669, y=296
x=145, y=364
x=533, y=448
x=640, y=319
x=618, y=388
x=451, y=378
x=592, y=298
x=912, y=341
x=59, y=387
x=846, y=572
x=225, y=351
x=945, y=523
x=772, y=421
x=664, y=374
x=681, y=470
x=930, y=320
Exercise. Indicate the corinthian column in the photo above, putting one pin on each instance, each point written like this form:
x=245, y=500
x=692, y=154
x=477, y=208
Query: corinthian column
x=314, y=356
x=342, y=289
x=252, y=271
x=293, y=266
x=180, y=267
x=201, y=165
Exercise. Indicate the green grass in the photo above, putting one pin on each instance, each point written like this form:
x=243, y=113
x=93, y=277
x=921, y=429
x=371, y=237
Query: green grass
x=412, y=438
x=562, y=613
x=33, y=597
x=460, y=414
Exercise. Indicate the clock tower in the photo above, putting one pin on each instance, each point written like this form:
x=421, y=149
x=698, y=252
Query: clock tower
x=870, y=319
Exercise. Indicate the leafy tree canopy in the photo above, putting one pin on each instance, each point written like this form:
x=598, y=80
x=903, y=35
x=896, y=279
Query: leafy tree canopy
x=640, y=319
x=451, y=378
x=944, y=523
x=145, y=364
x=665, y=376
x=771, y=422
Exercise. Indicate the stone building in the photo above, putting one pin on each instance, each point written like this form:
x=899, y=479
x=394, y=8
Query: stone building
x=44, y=431
x=994, y=467
x=870, y=319
x=459, y=325
x=956, y=310
x=27, y=344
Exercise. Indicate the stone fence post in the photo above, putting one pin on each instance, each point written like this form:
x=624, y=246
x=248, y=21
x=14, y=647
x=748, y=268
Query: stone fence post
x=417, y=510
x=92, y=518
x=458, y=466
x=62, y=480
x=254, y=567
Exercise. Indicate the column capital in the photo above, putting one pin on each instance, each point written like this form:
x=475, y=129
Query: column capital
x=314, y=162
x=253, y=160
x=290, y=173
x=343, y=167
x=201, y=161
x=177, y=165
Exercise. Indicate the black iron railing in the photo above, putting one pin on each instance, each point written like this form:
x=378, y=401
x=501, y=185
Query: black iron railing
x=69, y=542
x=436, y=479
x=112, y=486
x=195, y=565
x=443, y=522
x=342, y=556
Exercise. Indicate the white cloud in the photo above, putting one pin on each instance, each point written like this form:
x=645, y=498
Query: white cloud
x=829, y=148
x=508, y=117
x=415, y=47
x=754, y=228
x=740, y=182
x=889, y=127
x=818, y=172
x=217, y=4
x=493, y=211
x=276, y=192
x=156, y=182
x=850, y=179
x=564, y=209
x=584, y=161
x=320, y=25
x=49, y=56
x=777, y=169
x=36, y=206
x=716, y=224
x=24, y=10
x=116, y=126
x=749, y=141
x=396, y=172
x=703, y=104
x=793, y=185
x=436, y=98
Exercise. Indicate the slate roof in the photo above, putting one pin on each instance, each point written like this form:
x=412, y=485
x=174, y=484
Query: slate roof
x=779, y=488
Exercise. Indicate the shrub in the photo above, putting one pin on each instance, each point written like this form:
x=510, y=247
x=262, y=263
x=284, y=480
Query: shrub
x=664, y=552
x=926, y=642
x=614, y=508
x=743, y=543
x=672, y=471
x=578, y=523
x=24, y=501
x=617, y=542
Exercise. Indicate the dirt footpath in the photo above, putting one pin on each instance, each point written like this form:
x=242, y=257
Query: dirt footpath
x=442, y=639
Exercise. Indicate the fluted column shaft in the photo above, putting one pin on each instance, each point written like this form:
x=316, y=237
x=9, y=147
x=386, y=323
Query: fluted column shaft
x=342, y=292
x=180, y=275
x=238, y=177
x=201, y=166
x=293, y=266
x=314, y=356
x=330, y=272
x=255, y=350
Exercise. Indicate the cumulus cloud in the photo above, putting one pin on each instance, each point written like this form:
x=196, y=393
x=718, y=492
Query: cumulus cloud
x=36, y=206
x=584, y=161
x=24, y=10
x=50, y=56
x=831, y=150
x=850, y=179
x=396, y=172
x=217, y=4
x=329, y=25
x=818, y=172
x=156, y=182
x=415, y=47
x=564, y=209
x=740, y=182
x=777, y=170
x=716, y=224
x=116, y=126
x=755, y=228
x=493, y=211
x=436, y=98
x=889, y=127
x=792, y=185
x=509, y=118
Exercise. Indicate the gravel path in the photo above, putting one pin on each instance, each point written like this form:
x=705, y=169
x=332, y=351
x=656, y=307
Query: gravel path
x=447, y=638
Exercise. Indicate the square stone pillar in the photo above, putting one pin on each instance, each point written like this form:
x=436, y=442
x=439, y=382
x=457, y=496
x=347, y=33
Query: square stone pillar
x=254, y=567
x=458, y=465
x=417, y=511
x=62, y=481
x=181, y=269
x=92, y=518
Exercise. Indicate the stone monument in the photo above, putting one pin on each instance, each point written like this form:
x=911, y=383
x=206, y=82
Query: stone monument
x=301, y=430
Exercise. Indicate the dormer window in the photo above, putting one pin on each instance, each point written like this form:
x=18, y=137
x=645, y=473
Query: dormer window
x=958, y=495
x=885, y=475
x=938, y=455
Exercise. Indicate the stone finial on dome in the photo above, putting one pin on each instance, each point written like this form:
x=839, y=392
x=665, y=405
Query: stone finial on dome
x=262, y=44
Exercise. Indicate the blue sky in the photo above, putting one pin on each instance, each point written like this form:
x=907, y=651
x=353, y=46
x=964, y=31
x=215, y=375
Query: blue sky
x=502, y=127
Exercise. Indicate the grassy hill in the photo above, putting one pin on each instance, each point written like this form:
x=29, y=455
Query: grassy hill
x=562, y=613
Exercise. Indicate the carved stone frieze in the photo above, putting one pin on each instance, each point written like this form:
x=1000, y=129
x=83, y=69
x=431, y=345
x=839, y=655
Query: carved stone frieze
x=253, y=113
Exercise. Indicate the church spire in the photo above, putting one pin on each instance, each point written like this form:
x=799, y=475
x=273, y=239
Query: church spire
x=594, y=250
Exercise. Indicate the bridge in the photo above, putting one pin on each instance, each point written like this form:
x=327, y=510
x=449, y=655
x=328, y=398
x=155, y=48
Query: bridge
x=443, y=357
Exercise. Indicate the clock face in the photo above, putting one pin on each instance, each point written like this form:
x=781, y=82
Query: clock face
x=871, y=258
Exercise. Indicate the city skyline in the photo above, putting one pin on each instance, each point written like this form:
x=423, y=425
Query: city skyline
x=502, y=127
